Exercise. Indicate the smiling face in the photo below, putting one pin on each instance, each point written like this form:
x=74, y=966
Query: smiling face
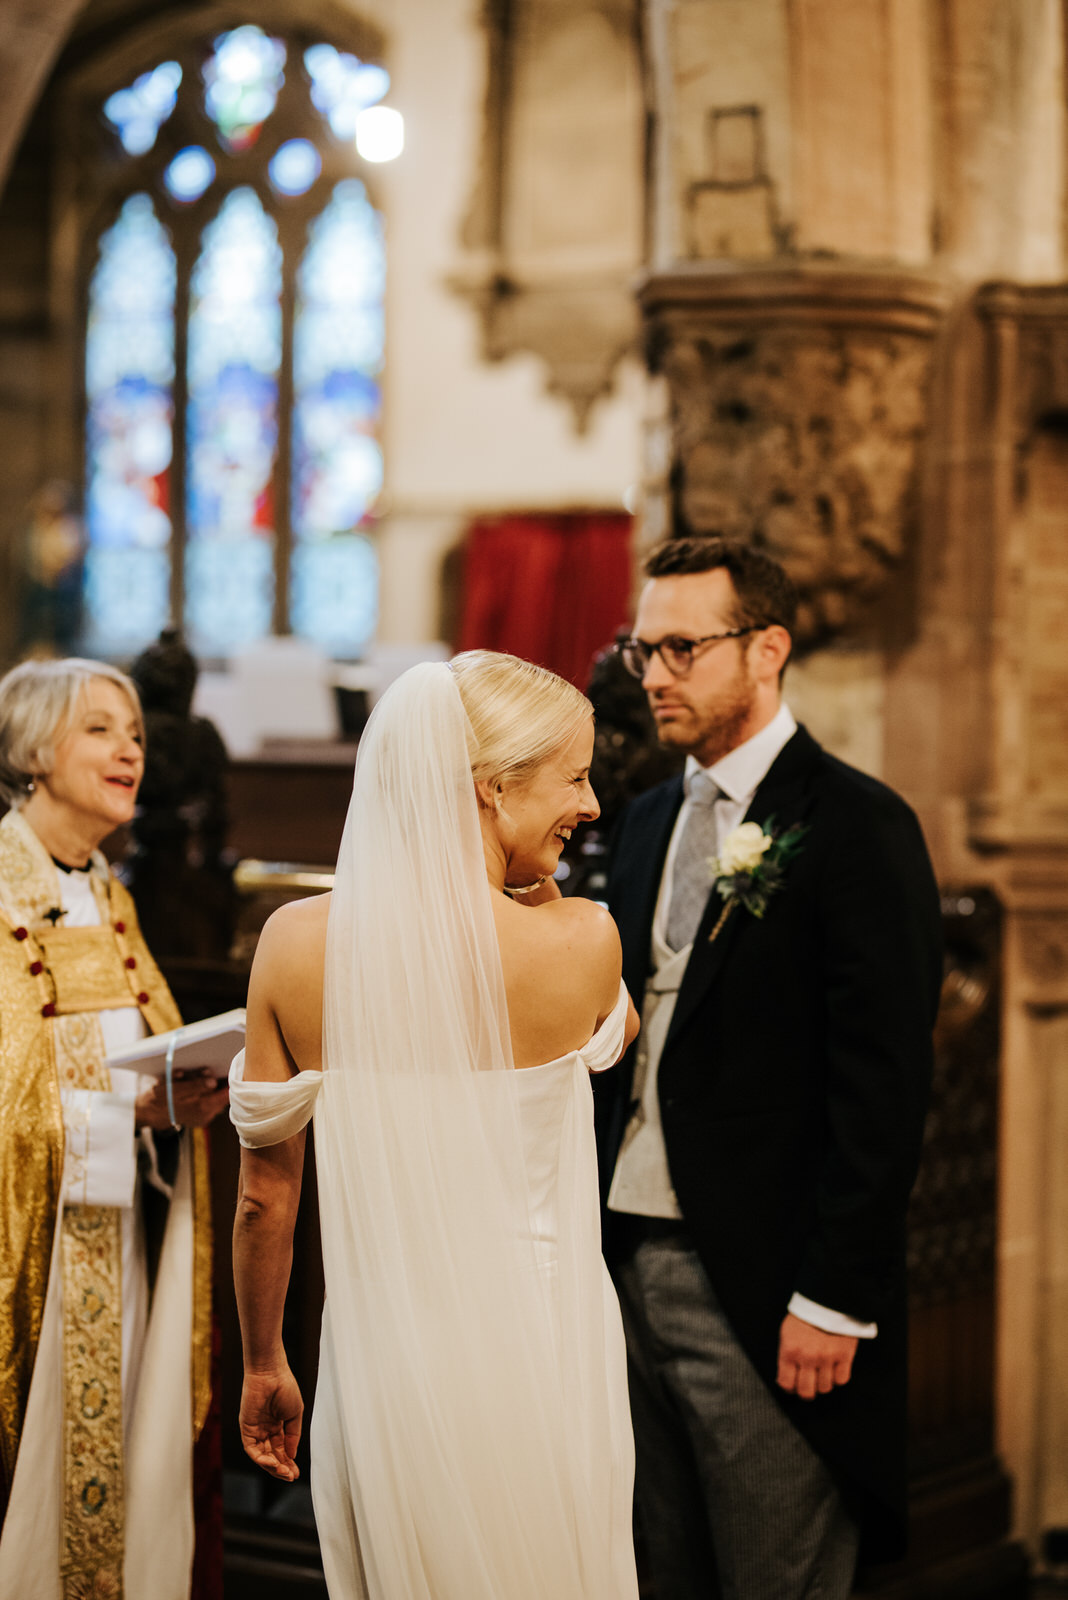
x=99, y=761
x=732, y=688
x=536, y=815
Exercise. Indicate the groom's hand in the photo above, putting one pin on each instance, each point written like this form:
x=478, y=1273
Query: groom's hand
x=812, y=1362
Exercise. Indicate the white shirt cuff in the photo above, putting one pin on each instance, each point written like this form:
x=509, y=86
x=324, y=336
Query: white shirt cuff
x=100, y=1161
x=829, y=1321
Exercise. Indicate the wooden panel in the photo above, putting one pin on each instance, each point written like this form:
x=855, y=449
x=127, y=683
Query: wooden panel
x=290, y=809
x=960, y=1495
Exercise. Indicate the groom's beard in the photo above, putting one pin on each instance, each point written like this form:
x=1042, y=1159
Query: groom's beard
x=711, y=731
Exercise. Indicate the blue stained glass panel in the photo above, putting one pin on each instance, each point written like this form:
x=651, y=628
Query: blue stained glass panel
x=235, y=349
x=241, y=84
x=294, y=167
x=138, y=113
x=334, y=593
x=229, y=593
x=127, y=599
x=129, y=370
x=342, y=86
x=337, y=458
x=190, y=173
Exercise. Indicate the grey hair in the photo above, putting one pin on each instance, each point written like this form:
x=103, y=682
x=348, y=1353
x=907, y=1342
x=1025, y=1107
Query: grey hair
x=38, y=702
x=519, y=713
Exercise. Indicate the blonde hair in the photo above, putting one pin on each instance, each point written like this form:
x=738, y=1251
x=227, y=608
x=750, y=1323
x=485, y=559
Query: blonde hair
x=519, y=713
x=38, y=701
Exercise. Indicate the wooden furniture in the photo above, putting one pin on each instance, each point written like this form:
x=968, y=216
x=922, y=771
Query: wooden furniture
x=289, y=802
x=961, y=1496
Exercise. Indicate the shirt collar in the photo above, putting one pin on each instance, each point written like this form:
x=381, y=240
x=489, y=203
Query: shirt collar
x=741, y=771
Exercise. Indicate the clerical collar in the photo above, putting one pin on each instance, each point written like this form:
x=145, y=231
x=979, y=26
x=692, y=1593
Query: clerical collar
x=64, y=867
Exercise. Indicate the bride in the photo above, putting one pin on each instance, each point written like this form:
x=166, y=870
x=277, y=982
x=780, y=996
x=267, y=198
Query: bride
x=439, y=1016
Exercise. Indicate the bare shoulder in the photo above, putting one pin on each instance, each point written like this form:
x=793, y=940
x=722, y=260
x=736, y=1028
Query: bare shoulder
x=579, y=922
x=294, y=934
x=566, y=952
x=285, y=999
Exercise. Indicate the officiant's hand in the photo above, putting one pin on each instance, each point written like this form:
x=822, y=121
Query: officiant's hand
x=198, y=1099
x=812, y=1362
x=270, y=1419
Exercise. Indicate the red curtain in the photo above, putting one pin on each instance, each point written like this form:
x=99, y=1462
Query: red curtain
x=550, y=586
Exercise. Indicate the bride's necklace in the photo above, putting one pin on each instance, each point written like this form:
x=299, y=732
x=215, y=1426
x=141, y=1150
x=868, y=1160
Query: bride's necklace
x=527, y=888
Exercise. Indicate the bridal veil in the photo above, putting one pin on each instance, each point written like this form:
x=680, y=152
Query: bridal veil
x=471, y=1407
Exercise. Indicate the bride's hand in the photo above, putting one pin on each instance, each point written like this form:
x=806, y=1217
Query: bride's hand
x=270, y=1419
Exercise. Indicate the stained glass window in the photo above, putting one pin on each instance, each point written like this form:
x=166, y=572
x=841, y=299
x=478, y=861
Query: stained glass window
x=235, y=351
x=337, y=460
x=129, y=372
x=246, y=218
x=342, y=86
x=241, y=84
x=138, y=113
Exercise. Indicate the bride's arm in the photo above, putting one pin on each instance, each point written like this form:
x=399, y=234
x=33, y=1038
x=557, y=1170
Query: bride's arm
x=267, y=1200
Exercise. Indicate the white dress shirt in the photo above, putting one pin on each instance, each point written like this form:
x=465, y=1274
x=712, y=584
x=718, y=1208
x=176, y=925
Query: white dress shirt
x=641, y=1183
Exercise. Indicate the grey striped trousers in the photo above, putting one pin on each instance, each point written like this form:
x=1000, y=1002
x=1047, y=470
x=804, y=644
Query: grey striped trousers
x=733, y=1503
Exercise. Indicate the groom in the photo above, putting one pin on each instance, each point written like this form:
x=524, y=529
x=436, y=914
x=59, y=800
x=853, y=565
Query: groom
x=762, y=1136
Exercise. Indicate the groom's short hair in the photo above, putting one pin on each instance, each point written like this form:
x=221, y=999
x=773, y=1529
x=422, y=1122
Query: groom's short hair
x=765, y=595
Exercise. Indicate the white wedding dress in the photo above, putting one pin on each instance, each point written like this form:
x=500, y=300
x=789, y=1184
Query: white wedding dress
x=556, y=1118
x=471, y=1438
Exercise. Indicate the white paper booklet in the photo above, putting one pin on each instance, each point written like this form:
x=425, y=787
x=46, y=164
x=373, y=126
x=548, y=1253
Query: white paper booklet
x=212, y=1043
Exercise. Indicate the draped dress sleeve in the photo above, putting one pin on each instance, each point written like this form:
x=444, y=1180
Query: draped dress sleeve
x=604, y=1048
x=267, y=1113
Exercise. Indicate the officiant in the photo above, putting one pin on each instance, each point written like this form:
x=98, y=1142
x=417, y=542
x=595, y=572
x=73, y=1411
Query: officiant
x=105, y=1246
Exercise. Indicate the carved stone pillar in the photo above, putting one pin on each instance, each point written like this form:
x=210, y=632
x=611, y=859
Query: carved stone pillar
x=1020, y=825
x=797, y=403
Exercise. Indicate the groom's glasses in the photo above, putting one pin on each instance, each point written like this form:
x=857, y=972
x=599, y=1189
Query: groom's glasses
x=677, y=653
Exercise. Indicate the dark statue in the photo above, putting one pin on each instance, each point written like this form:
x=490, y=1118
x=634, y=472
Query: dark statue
x=179, y=870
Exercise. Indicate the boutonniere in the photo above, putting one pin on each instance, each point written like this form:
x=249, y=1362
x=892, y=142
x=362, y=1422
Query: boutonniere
x=751, y=866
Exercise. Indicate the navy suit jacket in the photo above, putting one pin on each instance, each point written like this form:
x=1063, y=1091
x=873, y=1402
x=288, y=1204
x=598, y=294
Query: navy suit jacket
x=793, y=1087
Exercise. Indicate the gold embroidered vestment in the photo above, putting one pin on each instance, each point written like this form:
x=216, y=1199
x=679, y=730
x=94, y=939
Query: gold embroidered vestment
x=53, y=983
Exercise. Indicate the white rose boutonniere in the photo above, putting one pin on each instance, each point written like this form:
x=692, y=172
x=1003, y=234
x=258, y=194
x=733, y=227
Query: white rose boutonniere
x=751, y=866
x=743, y=849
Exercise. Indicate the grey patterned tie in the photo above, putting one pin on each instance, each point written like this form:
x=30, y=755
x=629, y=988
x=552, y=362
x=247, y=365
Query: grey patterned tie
x=691, y=880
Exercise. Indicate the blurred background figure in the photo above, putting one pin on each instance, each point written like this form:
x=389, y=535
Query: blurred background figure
x=50, y=616
x=178, y=868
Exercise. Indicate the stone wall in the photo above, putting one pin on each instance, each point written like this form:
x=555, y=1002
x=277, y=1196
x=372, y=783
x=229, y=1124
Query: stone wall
x=833, y=190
